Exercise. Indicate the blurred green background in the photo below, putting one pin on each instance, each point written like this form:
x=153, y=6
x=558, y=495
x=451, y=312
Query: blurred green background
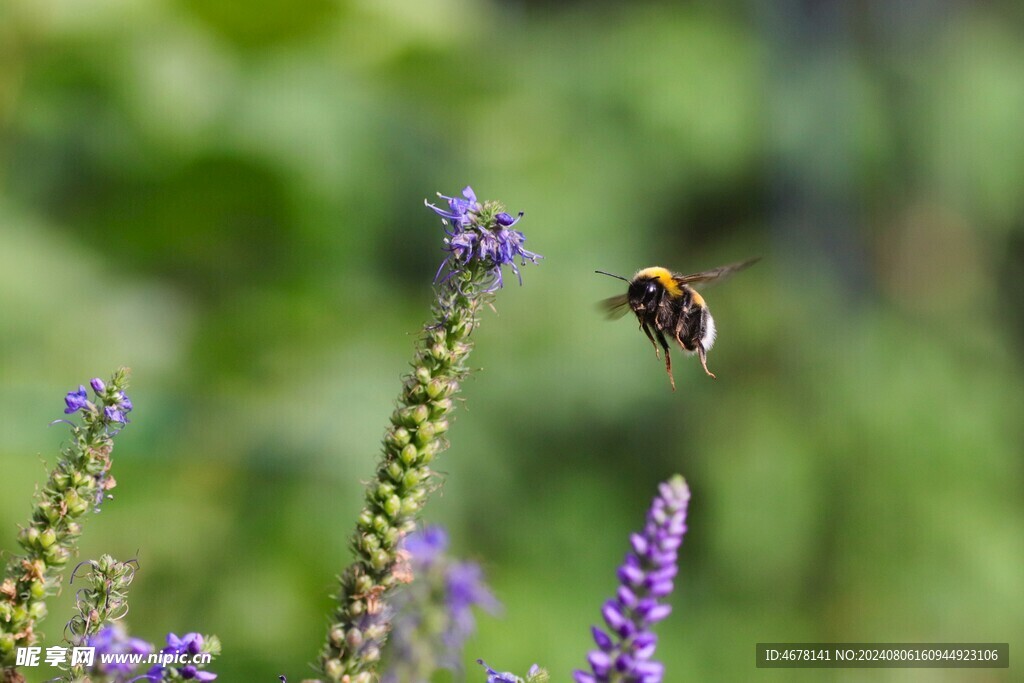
x=227, y=197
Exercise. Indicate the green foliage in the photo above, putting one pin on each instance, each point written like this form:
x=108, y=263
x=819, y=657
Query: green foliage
x=231, y=205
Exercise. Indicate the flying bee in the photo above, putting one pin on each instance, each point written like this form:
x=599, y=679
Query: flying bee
x=665, y=303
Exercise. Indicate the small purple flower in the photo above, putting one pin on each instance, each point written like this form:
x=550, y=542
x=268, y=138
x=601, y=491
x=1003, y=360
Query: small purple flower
x=76, y=400
x=482, y=233
x=497, y=677
x=190, y=672
x=118, y=412
x=97, y=385
x=459, y=209
x=465, y=589
x=188, y=644
x=426, y=545
x=624, y=651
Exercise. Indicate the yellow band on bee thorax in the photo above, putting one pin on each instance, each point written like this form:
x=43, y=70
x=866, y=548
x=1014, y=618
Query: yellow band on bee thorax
x=663, y=276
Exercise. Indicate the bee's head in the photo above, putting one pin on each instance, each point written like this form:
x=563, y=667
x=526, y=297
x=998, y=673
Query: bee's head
x=644, y=292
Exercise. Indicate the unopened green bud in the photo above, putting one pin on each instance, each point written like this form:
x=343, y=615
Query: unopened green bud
x=336, y=635
x=400, y=436
x=385, y=490
x=438, y=388
x=334, y=669
x=76, y=504
x=409, y=454
x=441, y=407
x=381, y=524
x=440, y=353
x=56, y=555
x=420, y=414
x=391, y=537
x=38, y=610
x=364, y=584
x=7, y=644
x=422, y=375
x=369, y=544
x=37, y=590
x=370, y=655
x=365, y=518
x=29, y=538
x=392, y=506
x=412, y=479
x=395, y=472
x=354, y=638
x=410, y=507
x=376, y=631
x=380, y=560
x=47, y=538
x=425, y=434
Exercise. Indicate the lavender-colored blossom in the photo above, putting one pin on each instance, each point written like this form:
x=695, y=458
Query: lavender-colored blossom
x=112, y=640
x=190, y=644
x=98, y=385
x=497, y=676
x=646, y=576
x=434, y=613
x=76, y=400
x=466, y=589
x=484, y=233
x=459, y=209
x=118, y=411
x=535, y=675
x=426, y=545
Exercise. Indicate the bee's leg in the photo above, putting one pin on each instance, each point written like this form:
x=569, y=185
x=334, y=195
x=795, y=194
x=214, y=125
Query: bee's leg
x=704, y=360
x=647, y=331
x=668, y=358
x=678, y=332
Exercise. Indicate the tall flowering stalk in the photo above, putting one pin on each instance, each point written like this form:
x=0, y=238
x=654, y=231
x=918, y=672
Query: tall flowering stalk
x=79, y=483
x=624, y=652
x=479, y=241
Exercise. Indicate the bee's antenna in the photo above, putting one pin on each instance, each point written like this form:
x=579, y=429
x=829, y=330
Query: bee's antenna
x=619, y=277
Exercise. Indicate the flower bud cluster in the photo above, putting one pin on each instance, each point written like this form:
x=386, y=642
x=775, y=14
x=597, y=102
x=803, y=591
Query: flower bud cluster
x=78, y=483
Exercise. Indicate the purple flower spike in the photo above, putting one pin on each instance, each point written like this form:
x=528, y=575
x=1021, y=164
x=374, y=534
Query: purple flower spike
x=481, y=233
x=646, y=576
x=75, y=400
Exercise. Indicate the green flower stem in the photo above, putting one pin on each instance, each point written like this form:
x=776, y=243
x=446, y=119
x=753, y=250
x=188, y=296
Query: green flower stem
x=76, y=485
x=403, y=479
x=103, y=600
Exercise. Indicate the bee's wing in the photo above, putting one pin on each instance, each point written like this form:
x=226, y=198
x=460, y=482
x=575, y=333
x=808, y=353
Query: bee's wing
x=615, y=307
x=716, y=274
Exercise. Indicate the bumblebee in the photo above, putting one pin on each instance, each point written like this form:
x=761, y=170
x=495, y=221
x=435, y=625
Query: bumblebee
x=664, y=302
